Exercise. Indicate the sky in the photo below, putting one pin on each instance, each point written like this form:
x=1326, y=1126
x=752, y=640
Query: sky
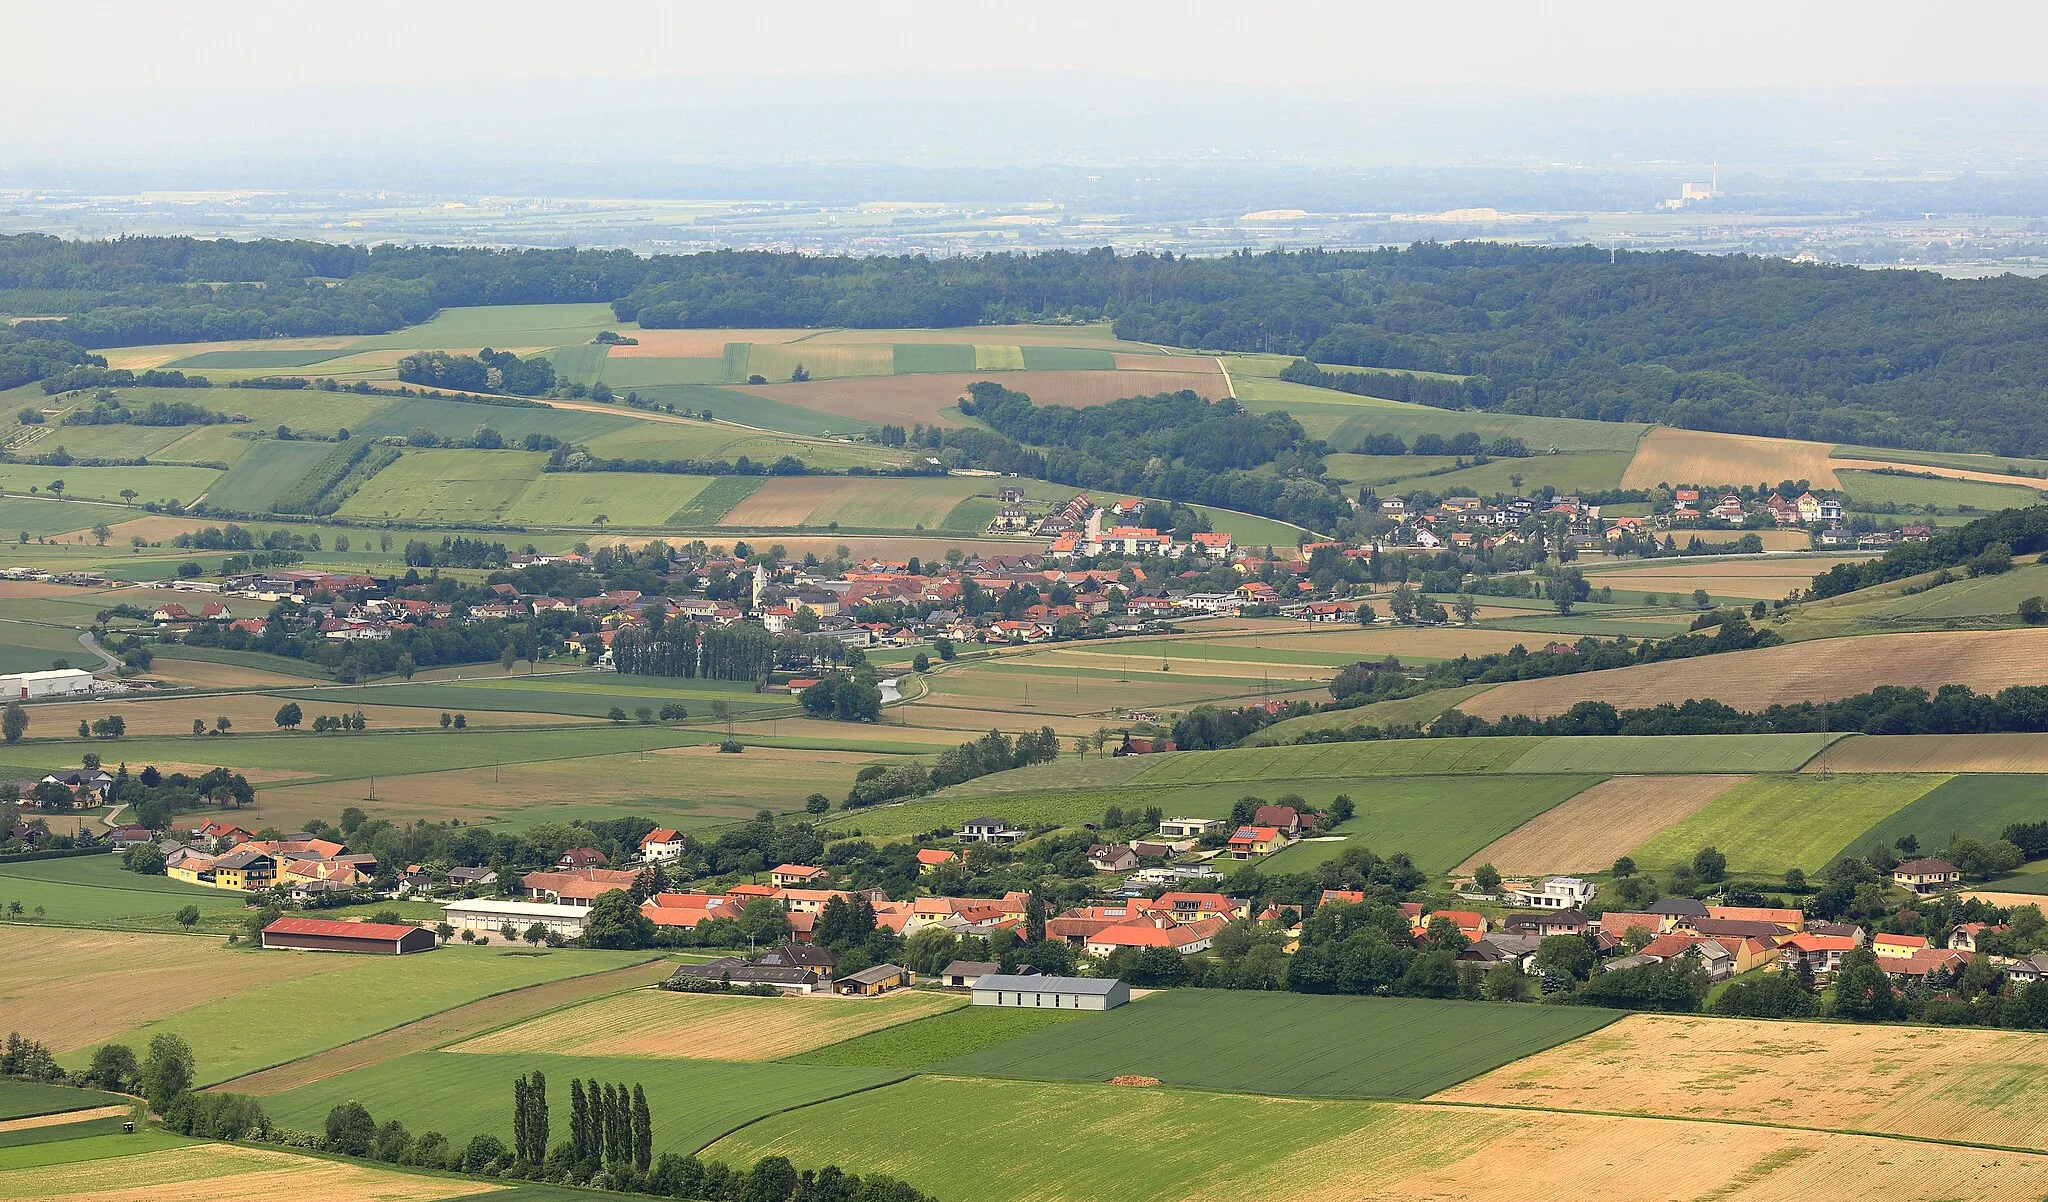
x=1580, y=46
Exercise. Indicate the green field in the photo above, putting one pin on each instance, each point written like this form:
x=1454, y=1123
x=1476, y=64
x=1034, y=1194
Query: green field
x=624, y=498
x=504, y=327
x=940, y=1037
x=93, y=891
x=1067, y=358
x=1018, y=1141
x=1870, y=490
x=753, y=409
x=448, y=487
x=264, y=473
x=693, y=1102
x=583, y=694
x=33, y=517
x=1585, y=471
x=913, y=357
x=1772, y=823
x=253, y=360
x=717, y=440
x=1291, y=1044
x=1344, y=420
x=644, y=372
x=1976, y=806
x=185, y=484
x=1251, y=530
x=21, y=1099
x=25, y=647
x=40, y=1147
x=1982, y=596
x=715, y=501
x=1672, y=753
x=1404, y=757
x=1402, y=712
x=281, y=1022
x=1438, y=820
x=459, y=419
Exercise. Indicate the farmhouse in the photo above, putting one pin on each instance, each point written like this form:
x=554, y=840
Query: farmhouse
x=735, y=971
x=489, y=914
x=1058, y=993
x=661, y=844
x=1820, y=953
x=321, y=935
x=1930, y=875
x=1898, y=947
x=871, y=982
x=578, y=887
x=792, y=876
x=963, y=974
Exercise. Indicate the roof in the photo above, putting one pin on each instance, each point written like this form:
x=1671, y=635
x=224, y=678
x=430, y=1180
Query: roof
x=969, y=968
x=1679, y=907
x=1929, y=866
x=345, y=930
x=877, y=974
x=932, y=855
x=740, y=970
x=1087, y=986
x=1819, y=943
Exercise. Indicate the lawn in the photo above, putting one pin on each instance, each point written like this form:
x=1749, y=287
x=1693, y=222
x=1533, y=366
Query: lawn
x=280, y=1022
x=1773, y=823
x=1672, y=753
x=693, y=1102
x=658, y=1024
x=1287, y=1043
x=21, y=1099
x=927, y=1041
x=1438, y=820
x=1970, y=807
x=263, y=475
x=447, y=487
x=153, y=483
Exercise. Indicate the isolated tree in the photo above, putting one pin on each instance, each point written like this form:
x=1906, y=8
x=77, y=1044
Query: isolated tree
x=1710, y=865
x=289, y=715
x=461, y=721
x=13, y=722
x=222, y=723
x=198, y=726
x=188, y=917
x=101, y=533
x=2033, y=611
x=508, y=657
x=1487, y=878
x=167, y=1072
x=128, y=496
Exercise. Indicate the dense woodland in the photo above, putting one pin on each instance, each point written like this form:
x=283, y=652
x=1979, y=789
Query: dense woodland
x=1736, y=343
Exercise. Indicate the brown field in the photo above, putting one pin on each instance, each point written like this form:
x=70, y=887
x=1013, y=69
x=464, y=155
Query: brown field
x=1668, y=456
x=1126, y=361
x=657, y=1023
x=1436, y=641
x=1935, y=753
x=484, y=1014
x=157, y=528
x=66, y=1118
x=83, y=986
x=1821, y=670
x=1784, y=540
x=885, y=503
x=205, y=674
x=1933, y=1082
x=1589, y=831
x=880, y=546
x=969, y=722
x=1184, y=659
x=1754, y=579
x=209, y=1172
x=253, y=713
x=2008, y=900
x=696, y=344
x=997, y=335
x=905, y=400
x=1952, y=473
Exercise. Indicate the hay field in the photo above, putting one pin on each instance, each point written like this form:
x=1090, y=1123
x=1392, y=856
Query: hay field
x=1818, y=670
x=905, y=400
x=663, y=1025
x=776, y=361
x=254, y=714
x=209, y=1172
x=1750, y=579
x=2026, y=752
x=1950, y=471
x=696, y=344
x=1941, y=1083
x=1772, y=823
x=75, y=988
x=889, y=504
x=1588, y=832
x=1669, y=456
x=446, y=486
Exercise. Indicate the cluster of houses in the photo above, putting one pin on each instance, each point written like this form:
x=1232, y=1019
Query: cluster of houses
x=221, y=855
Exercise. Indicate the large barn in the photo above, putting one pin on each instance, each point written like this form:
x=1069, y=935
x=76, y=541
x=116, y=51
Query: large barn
x=326, y=935
x=1054, y=993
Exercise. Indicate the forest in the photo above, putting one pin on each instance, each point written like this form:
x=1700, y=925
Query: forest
x=1737, y=343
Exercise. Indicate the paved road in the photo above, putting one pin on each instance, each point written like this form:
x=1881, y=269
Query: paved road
x=90, y=644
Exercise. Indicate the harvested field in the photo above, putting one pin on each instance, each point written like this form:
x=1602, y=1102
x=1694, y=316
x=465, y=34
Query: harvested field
x=66, y=1118
x=1819, y=670
x=657, y=1023
x=74, y=988
x=1587, y=832
x=2008, y=900
x=696, y=344
x=437, y=1029
x=1936, y=1082
x=209, y=1172
x=1668, y=456
x=1750, y=579
x=862, y=503
x=1936, y=753
x=823, y=360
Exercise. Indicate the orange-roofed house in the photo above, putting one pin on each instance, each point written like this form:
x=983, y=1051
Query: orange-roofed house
x=1821, y=953
x=1927, y=960
x=661, y=844
x=929, y=858
x=742, y=894
x=684, y=910
x=1789, y=920
x=1470, y=923
x=1354, y=897
x=792, y=876
x=1619, y=924
x=1252, y=841
x=1186, y=939
x=1190, y=907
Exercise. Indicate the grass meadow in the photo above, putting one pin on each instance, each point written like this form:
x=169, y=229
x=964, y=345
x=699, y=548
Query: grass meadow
x=265, y=473
x=1437, y=820
x=1298, y=1045
x=153, y=483
x=1800, y=820
x=943, y=1036
x=1969, y=807
x=94, y=891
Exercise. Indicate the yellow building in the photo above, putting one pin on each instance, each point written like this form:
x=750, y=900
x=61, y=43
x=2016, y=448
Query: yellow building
x=246, y=871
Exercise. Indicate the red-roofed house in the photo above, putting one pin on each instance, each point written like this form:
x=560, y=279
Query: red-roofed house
x=929, y=858
x=791, y=876
x=1822, y=953
x=661, y=844
x=1252, y=841
x=1185, y=938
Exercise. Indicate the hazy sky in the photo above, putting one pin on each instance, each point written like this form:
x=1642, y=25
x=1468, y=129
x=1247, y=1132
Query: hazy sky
x=1573, y=45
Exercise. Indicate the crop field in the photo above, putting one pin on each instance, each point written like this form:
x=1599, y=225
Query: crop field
x=1869, y=490
x=93, y=891
x=1935, y=753
x=1670, y=456
x=777, y=361
x=1983, y=596
x=458, y=419
x=905, y=400
x=20, y=1099
x=1439, y=820
x=505, y=327
x=1970, y=807
x=942, y=1036
x=269, y=1024
x=657, y=1024
x=622, y=498
x=1406, y=711
x=26, y=647
x=1134, y=1144
x=712, y=440
x=184, y=484
x=1344, y=419
x=73, y=989
x=885, y=504
x=206, y=1172
x=310, y=411
x=1725, y=579
x=624, y=373
x=1072, y=808
x=1300, y=1045
x=449, y=487
x=1407, y=757
x=98, y=442
x=591, y=694
x=1586, y=833
x=1962, y=1083
x=263, y=475
x=1772, y=823
x=1587, y=471
x=256, y=713
x=1816, y=670
x=1609, y=754
x=693, y=1102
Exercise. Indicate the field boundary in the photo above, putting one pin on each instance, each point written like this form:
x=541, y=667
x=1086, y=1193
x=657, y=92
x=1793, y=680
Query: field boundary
x=855, y=1092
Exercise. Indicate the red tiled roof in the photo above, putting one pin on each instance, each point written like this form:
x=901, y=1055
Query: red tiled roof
x=350, y=930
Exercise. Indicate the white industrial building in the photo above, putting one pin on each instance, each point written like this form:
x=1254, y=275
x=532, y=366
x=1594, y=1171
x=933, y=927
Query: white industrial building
x=490, y=914
x=1051, y=993
x=34, y=686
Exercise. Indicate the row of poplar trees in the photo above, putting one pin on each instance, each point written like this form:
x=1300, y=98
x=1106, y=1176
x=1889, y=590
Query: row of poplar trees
x=608, y=1124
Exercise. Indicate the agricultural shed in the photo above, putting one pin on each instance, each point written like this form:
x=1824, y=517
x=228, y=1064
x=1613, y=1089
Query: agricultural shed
x=488, y=915
x=326, y=935
x=1059, y=993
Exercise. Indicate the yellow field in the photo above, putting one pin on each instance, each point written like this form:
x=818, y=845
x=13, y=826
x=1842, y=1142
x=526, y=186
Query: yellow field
x=657, y=1023
x=1937, y=1082
x=1668, y=456
x=80, y=987
x=66, y=1118
x=208, y=1172
x=1820, y=670
x=1436, y=641
x=777, y=360
x=1935, y=753
x=1588, y=832
x=1752, y=579
x=695, y=344
x=2008, y=900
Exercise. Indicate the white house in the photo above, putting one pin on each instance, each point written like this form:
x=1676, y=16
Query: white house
x=1555, y=893
x=1052, y=993
x=1188, y=828
x=989, y=830
x=489, y=914
x=661, y=845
